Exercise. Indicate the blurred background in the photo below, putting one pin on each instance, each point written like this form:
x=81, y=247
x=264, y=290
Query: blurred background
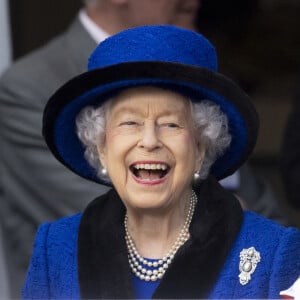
x=258, y=42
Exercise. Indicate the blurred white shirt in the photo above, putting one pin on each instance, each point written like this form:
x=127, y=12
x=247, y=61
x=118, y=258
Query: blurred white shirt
x=91, y=27
x=5, y=45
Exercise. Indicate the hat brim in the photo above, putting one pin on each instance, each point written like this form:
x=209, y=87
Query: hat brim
x=96, y=86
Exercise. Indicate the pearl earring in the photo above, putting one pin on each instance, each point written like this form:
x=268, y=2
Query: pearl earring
x=104, y=171
x=196, y=176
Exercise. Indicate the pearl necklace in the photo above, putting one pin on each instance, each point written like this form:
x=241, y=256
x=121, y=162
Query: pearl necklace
x=158, y=267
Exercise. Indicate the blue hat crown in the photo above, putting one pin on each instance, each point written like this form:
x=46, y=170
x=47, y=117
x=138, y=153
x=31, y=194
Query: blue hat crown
x=155, y=43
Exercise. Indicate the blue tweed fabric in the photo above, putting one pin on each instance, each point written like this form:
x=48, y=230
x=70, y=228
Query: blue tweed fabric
x=146, y=44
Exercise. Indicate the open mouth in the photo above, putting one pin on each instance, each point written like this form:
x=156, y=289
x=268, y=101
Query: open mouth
x=150, y=171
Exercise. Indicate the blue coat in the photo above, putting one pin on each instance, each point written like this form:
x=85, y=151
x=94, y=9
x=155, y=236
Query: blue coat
x=71, y=259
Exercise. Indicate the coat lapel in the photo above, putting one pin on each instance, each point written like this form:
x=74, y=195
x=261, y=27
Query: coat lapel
x=102, y=255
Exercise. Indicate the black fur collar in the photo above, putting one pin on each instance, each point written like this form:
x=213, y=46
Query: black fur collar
x=104, y=272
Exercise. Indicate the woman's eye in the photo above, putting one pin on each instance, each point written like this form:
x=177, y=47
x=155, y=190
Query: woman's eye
x=171, y=125
x=128, y=123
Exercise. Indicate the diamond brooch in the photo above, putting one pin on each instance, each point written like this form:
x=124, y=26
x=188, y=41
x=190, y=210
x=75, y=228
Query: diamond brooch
x=249, y=258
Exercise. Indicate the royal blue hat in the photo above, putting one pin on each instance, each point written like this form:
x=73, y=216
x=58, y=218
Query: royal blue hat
x=165, y=56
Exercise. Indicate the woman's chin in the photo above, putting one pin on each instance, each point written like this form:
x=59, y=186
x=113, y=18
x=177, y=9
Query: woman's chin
x=145, y=204
x=148, y=194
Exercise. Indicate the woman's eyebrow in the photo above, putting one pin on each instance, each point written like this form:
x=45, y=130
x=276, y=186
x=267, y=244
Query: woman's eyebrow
x=123, y=109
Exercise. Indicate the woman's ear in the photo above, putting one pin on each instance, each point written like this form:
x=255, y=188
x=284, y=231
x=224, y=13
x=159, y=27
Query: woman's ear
x=102, y=155
x=200, y=148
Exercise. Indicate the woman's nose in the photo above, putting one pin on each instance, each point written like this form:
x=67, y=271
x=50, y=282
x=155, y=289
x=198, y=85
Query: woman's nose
x=149, y=138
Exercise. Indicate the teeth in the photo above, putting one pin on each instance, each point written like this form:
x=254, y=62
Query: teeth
x=150, y=166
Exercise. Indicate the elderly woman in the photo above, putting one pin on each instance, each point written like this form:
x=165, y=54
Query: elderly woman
x=153, y=119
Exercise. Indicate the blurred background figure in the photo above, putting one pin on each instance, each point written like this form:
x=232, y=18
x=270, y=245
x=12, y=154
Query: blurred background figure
x=255, y=193
x=36, y=188
x=5, y=46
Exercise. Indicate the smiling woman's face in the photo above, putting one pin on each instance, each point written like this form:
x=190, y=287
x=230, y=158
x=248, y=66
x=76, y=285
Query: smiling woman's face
x=150, y=150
